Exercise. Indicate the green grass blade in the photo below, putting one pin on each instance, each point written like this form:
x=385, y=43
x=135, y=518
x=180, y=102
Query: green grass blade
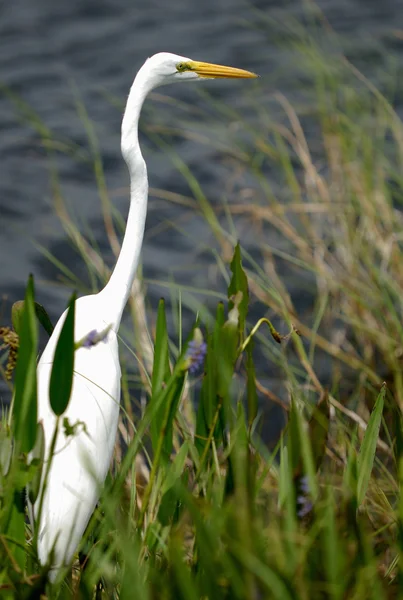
x=333, y=556
x=251, y=385
x=208, y=398
x=37, y=455
x=366, y=455
x=25, y=398
x=16, y=529
x=161, y=370
x=238, y=284
x=318, y=430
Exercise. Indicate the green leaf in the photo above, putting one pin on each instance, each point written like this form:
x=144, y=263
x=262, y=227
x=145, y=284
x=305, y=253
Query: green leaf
x=41, y=314
x=350, y=475
x=251, y=385
x=17, y=311
x=219, y=321
x=201, y=431
x=305, y=451
x=168, y=507
x=217, y=334
x=185, y=582
x=293, y=440
x=366, y=455
x=301, y=450
x=169, y=502
x=176, y=467
x=226, y=354
x=6, y=451
x=238, y=284
x=333, y=553
x=287, y=500
x=172, y=403
x=37, y=456
x=61, y=377
x=398, y=427
x=44, y=318
x=318, y=430
x=16, y=528
x=208, y=398
x=25, y=396
x=161, y=370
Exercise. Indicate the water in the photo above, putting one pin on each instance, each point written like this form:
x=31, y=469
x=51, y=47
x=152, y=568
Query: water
x=98, y=45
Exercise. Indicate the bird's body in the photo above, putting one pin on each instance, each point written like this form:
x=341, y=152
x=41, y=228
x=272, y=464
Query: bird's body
x=81, y=460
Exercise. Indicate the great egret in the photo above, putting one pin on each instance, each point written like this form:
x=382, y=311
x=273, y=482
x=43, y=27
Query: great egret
x=80, y=462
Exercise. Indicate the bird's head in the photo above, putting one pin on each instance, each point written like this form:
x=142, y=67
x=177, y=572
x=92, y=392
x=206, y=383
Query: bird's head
x=163, y=68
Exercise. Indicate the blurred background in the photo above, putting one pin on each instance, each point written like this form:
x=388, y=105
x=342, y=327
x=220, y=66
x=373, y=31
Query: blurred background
x=65, y=72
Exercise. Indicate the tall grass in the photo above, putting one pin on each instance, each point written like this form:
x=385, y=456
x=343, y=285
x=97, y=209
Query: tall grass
x=196, y=505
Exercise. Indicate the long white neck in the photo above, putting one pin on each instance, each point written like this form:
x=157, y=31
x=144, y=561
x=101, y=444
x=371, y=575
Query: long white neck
x=117, y=290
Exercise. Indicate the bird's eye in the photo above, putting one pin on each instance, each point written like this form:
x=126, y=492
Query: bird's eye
x=181, y=67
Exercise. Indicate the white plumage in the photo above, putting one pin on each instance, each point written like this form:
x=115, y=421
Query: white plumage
x=80, y=462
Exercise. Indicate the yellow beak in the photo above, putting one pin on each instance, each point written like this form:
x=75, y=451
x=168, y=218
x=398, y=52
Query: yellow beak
x=204, y=69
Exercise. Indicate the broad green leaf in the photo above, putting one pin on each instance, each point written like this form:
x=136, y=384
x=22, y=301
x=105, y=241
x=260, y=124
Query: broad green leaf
x=17, y=311
x=25, y=395
x=208, y=402
x=41, y=314
x=16, y=528
x=219, y=321
x=44, y=318
x=226, y=353
x=251, y=385
x=244, y=464
x=161, y=370
x=61, y=377
x=172, y=402
x=37, y=456
x=366, y=455
x=176, y=468
x=238, y=283
x=169, y=503
x=168, y=507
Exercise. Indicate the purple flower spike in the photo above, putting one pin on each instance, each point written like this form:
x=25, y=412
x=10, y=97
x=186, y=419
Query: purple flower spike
x=93, y=338
x=304, y=484
x=90, y=339
x=305, y=508
x=304, y=504
x=196, y=354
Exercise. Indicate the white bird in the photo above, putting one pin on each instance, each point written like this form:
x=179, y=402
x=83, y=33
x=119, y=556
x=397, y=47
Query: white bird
x=80, y=462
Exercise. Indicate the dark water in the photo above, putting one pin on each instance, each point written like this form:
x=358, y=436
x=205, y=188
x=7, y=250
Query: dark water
x=47, y=46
